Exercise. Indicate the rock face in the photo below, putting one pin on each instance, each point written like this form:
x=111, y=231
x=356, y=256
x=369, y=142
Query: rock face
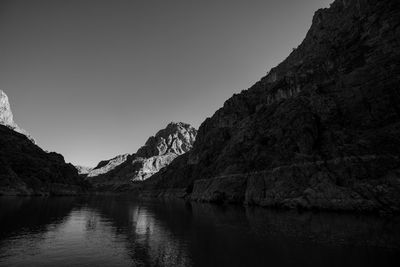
x=106, y=166
x=25, y=169
x=6, y=116
x=83, y=170
x=320, y=130
x=118, y=173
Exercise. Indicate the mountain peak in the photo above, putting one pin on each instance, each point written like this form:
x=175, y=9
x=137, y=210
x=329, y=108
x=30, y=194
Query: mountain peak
x=290, y=139
x=6, y=116
x=177, y=137
x=160, y=150
x=179, y=124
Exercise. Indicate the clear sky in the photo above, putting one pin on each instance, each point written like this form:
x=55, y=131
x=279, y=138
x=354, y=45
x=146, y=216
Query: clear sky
x=92, y=79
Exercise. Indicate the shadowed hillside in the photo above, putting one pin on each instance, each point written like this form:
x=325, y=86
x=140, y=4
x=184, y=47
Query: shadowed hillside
x=321, y=130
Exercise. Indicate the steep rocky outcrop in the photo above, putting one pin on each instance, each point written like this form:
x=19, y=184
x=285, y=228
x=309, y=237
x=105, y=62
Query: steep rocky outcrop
x=25, y=169
x=118, y=173
x=320, y=130
x=7, y=118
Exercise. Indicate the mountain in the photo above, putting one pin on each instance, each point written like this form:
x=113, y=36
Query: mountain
x=321, y=130
x=160, y=150
x=7, y=118
x=83, y=170
x=25, y=169
x=106, y=166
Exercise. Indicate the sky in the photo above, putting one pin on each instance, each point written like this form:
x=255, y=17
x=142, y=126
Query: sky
x=92, y=79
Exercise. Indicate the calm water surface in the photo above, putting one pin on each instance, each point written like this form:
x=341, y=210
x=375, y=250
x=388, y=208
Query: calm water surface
x=107, y=231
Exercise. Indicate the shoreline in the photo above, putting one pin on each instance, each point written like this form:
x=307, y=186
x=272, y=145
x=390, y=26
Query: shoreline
x=170, y=197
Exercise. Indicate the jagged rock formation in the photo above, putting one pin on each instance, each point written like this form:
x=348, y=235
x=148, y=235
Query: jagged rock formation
x=160, y=150
x=83, y=170
x=25, y=169
x=6, y=116
x=320, y=130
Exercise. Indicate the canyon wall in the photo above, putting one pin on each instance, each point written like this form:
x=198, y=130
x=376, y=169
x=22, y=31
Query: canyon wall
x=320, y=130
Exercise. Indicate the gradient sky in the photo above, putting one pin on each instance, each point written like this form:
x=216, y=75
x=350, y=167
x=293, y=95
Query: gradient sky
x=91, y=79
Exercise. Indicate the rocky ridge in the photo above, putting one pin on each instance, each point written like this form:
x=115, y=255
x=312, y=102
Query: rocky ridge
x=83, y=170
x=106, y=166
x=25, y=169
x=7, y=118
x=321, y=130
x=160, y=150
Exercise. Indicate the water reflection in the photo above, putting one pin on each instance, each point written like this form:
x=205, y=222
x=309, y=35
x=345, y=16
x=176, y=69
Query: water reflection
x=122, y=232
x=148, y=241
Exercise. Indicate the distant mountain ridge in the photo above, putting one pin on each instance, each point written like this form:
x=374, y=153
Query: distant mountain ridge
x=83, y=170
x=107, y=165
x=159, y=151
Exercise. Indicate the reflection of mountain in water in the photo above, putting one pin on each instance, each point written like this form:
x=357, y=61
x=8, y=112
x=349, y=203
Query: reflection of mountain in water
x=254, y=237
x=24, y=222
x=327, y=228
x=148, y=239
x=120, y=232
x=175, y=233
x=32, y=214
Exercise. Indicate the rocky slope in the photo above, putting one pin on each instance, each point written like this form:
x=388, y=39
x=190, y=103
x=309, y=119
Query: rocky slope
x=25, y=169
x=7, y=118
x=320, y=130
x=118, y=173
x=83, y=170
x=106, y=166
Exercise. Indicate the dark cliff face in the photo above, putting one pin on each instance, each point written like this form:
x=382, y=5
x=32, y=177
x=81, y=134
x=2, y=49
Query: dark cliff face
x=26, y=169
x=322, y=128
x=159, y=151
